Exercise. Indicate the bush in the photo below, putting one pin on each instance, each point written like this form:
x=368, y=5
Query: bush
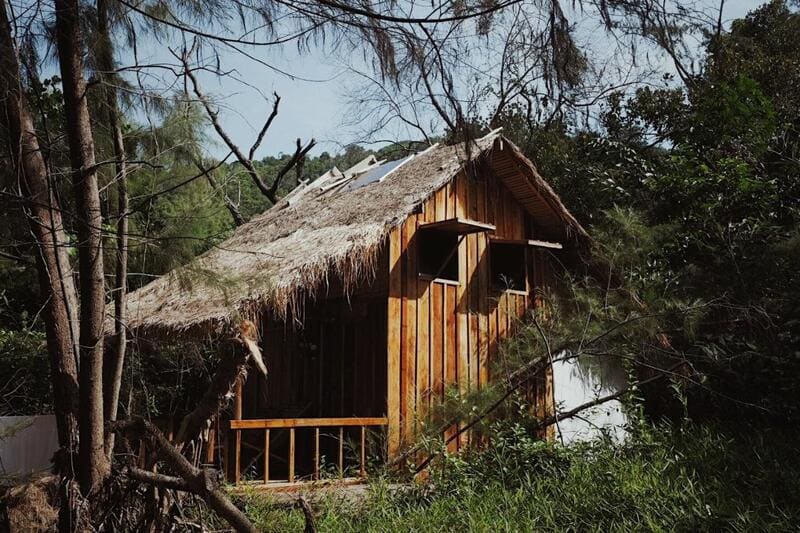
x=689, y=478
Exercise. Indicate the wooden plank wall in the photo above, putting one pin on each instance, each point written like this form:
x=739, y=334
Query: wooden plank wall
x=446, y=334
x=331, y=367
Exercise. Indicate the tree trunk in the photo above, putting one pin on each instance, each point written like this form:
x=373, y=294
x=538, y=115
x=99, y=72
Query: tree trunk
x=44, y=215
x=93, y=464
x=116, y=360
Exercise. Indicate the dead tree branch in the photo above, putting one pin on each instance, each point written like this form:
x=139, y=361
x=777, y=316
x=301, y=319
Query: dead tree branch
x=270, y=191
x=229, y=372
x=195, y=480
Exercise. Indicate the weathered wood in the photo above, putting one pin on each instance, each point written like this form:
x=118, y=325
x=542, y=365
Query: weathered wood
x=458, y=225
x=528, y=242
x=237, y=462
x=266, y=455
x=437, y=341
x=423, y=352
x=341, y=452
x=451, y=354
x=291, y=455
x=409, y=330
x=363, y=449
x=316, y=453
x=211, y=444
x=277, y=423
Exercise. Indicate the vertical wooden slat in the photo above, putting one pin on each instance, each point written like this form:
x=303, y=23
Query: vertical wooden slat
x=316, y=453
x=461, y=194
x=451, y=199
x=451, y=354
x=509, y=309
x=409, y=331
x=483, y=287
x=341, y=451
x=363, y=452
x=462, y=303
x=441, y=205
x=491, y=357
x=424, y=288
x=238, y=457
x=423, y=349
x=237, y=439
x=502, y=319
x=437, y=340
x=238, y=393
x=266, y=455
x=291, y=455
x=473, y=292
x=211, y=444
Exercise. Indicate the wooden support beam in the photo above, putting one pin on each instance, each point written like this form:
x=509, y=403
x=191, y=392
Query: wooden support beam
x=529, y=242
x=363, y=451
x=266, y=456
x=458, y=225
x=341, y=452
x=291, y=455
x=316, y=453
x=237, y=461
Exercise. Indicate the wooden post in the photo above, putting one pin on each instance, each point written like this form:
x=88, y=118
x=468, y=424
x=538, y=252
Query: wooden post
x=341, y=451
x=363, y=452
x=266, y=456
x=316, y=453
x=232, y=439
x=394, y=336
x=237, y=401
x=211, y=444
x=291, y=455
x=237, y=462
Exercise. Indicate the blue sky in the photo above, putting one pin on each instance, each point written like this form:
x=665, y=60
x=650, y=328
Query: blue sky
x=313, y=104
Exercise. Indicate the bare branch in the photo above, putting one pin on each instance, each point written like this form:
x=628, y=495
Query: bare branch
x=266, y=126
x=299, y=153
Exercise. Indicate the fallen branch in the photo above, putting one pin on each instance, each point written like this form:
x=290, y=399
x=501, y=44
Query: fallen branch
x=201, y=482
x=221, y=390
x=161, y=480
x=308, y=513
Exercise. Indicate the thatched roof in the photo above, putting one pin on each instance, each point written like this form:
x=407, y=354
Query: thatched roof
x=278, y=258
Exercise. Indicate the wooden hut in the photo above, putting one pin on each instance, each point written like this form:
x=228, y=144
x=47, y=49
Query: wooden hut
x=373, y=290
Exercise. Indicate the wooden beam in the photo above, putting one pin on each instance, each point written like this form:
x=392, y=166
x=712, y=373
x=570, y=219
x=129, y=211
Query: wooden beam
x=316, y=453
x=291, y=455
x=237, y=461
x=266, y=456
x=363, y=451
x=341, y=452
x=529, y=242
x=394, y=342
x=458, y=225
x=307, y=422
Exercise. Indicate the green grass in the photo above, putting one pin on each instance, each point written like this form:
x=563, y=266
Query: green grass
x=687, y=479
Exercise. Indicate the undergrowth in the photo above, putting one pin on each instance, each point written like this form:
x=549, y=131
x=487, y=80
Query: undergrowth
x=687, y=478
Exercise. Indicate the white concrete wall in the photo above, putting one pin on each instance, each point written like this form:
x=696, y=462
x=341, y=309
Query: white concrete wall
x=574, y=386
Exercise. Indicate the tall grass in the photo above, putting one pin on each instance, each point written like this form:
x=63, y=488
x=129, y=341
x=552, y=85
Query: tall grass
x=691, y=478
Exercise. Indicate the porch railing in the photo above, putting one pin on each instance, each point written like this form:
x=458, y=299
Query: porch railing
x=266, y=425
